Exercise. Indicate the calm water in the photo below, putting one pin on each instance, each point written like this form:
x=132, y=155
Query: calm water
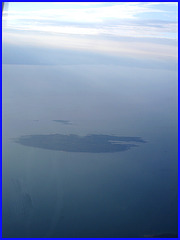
x=61, y=194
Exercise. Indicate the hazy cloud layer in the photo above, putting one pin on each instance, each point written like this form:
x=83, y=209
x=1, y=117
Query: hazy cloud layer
x=111, y=47
x=97, y=27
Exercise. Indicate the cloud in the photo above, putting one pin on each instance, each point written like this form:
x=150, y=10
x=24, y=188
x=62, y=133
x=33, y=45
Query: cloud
x=119, y=19
x=94, y=27
x=89, y=14
x=148, y=50
x=119, y=28
x=162, y=3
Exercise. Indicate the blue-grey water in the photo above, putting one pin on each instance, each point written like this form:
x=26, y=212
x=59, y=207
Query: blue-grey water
x=64, y=194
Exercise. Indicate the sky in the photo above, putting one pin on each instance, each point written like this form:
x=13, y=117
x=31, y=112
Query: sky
x=140, y=30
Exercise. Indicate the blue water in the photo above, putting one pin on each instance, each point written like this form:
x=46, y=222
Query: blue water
x=60, y=194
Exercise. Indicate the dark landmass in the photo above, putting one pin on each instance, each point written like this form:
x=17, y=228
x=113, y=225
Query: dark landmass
x=163, y=235
x=74, y=143
x=66, y=122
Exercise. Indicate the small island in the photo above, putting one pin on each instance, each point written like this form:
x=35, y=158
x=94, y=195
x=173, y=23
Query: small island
x=74, y=143
x=65, y=122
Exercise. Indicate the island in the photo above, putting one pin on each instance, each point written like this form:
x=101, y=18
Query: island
x=66, y=122
x=94, y=143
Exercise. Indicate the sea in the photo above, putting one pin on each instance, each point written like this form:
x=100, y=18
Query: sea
x=58, y=194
